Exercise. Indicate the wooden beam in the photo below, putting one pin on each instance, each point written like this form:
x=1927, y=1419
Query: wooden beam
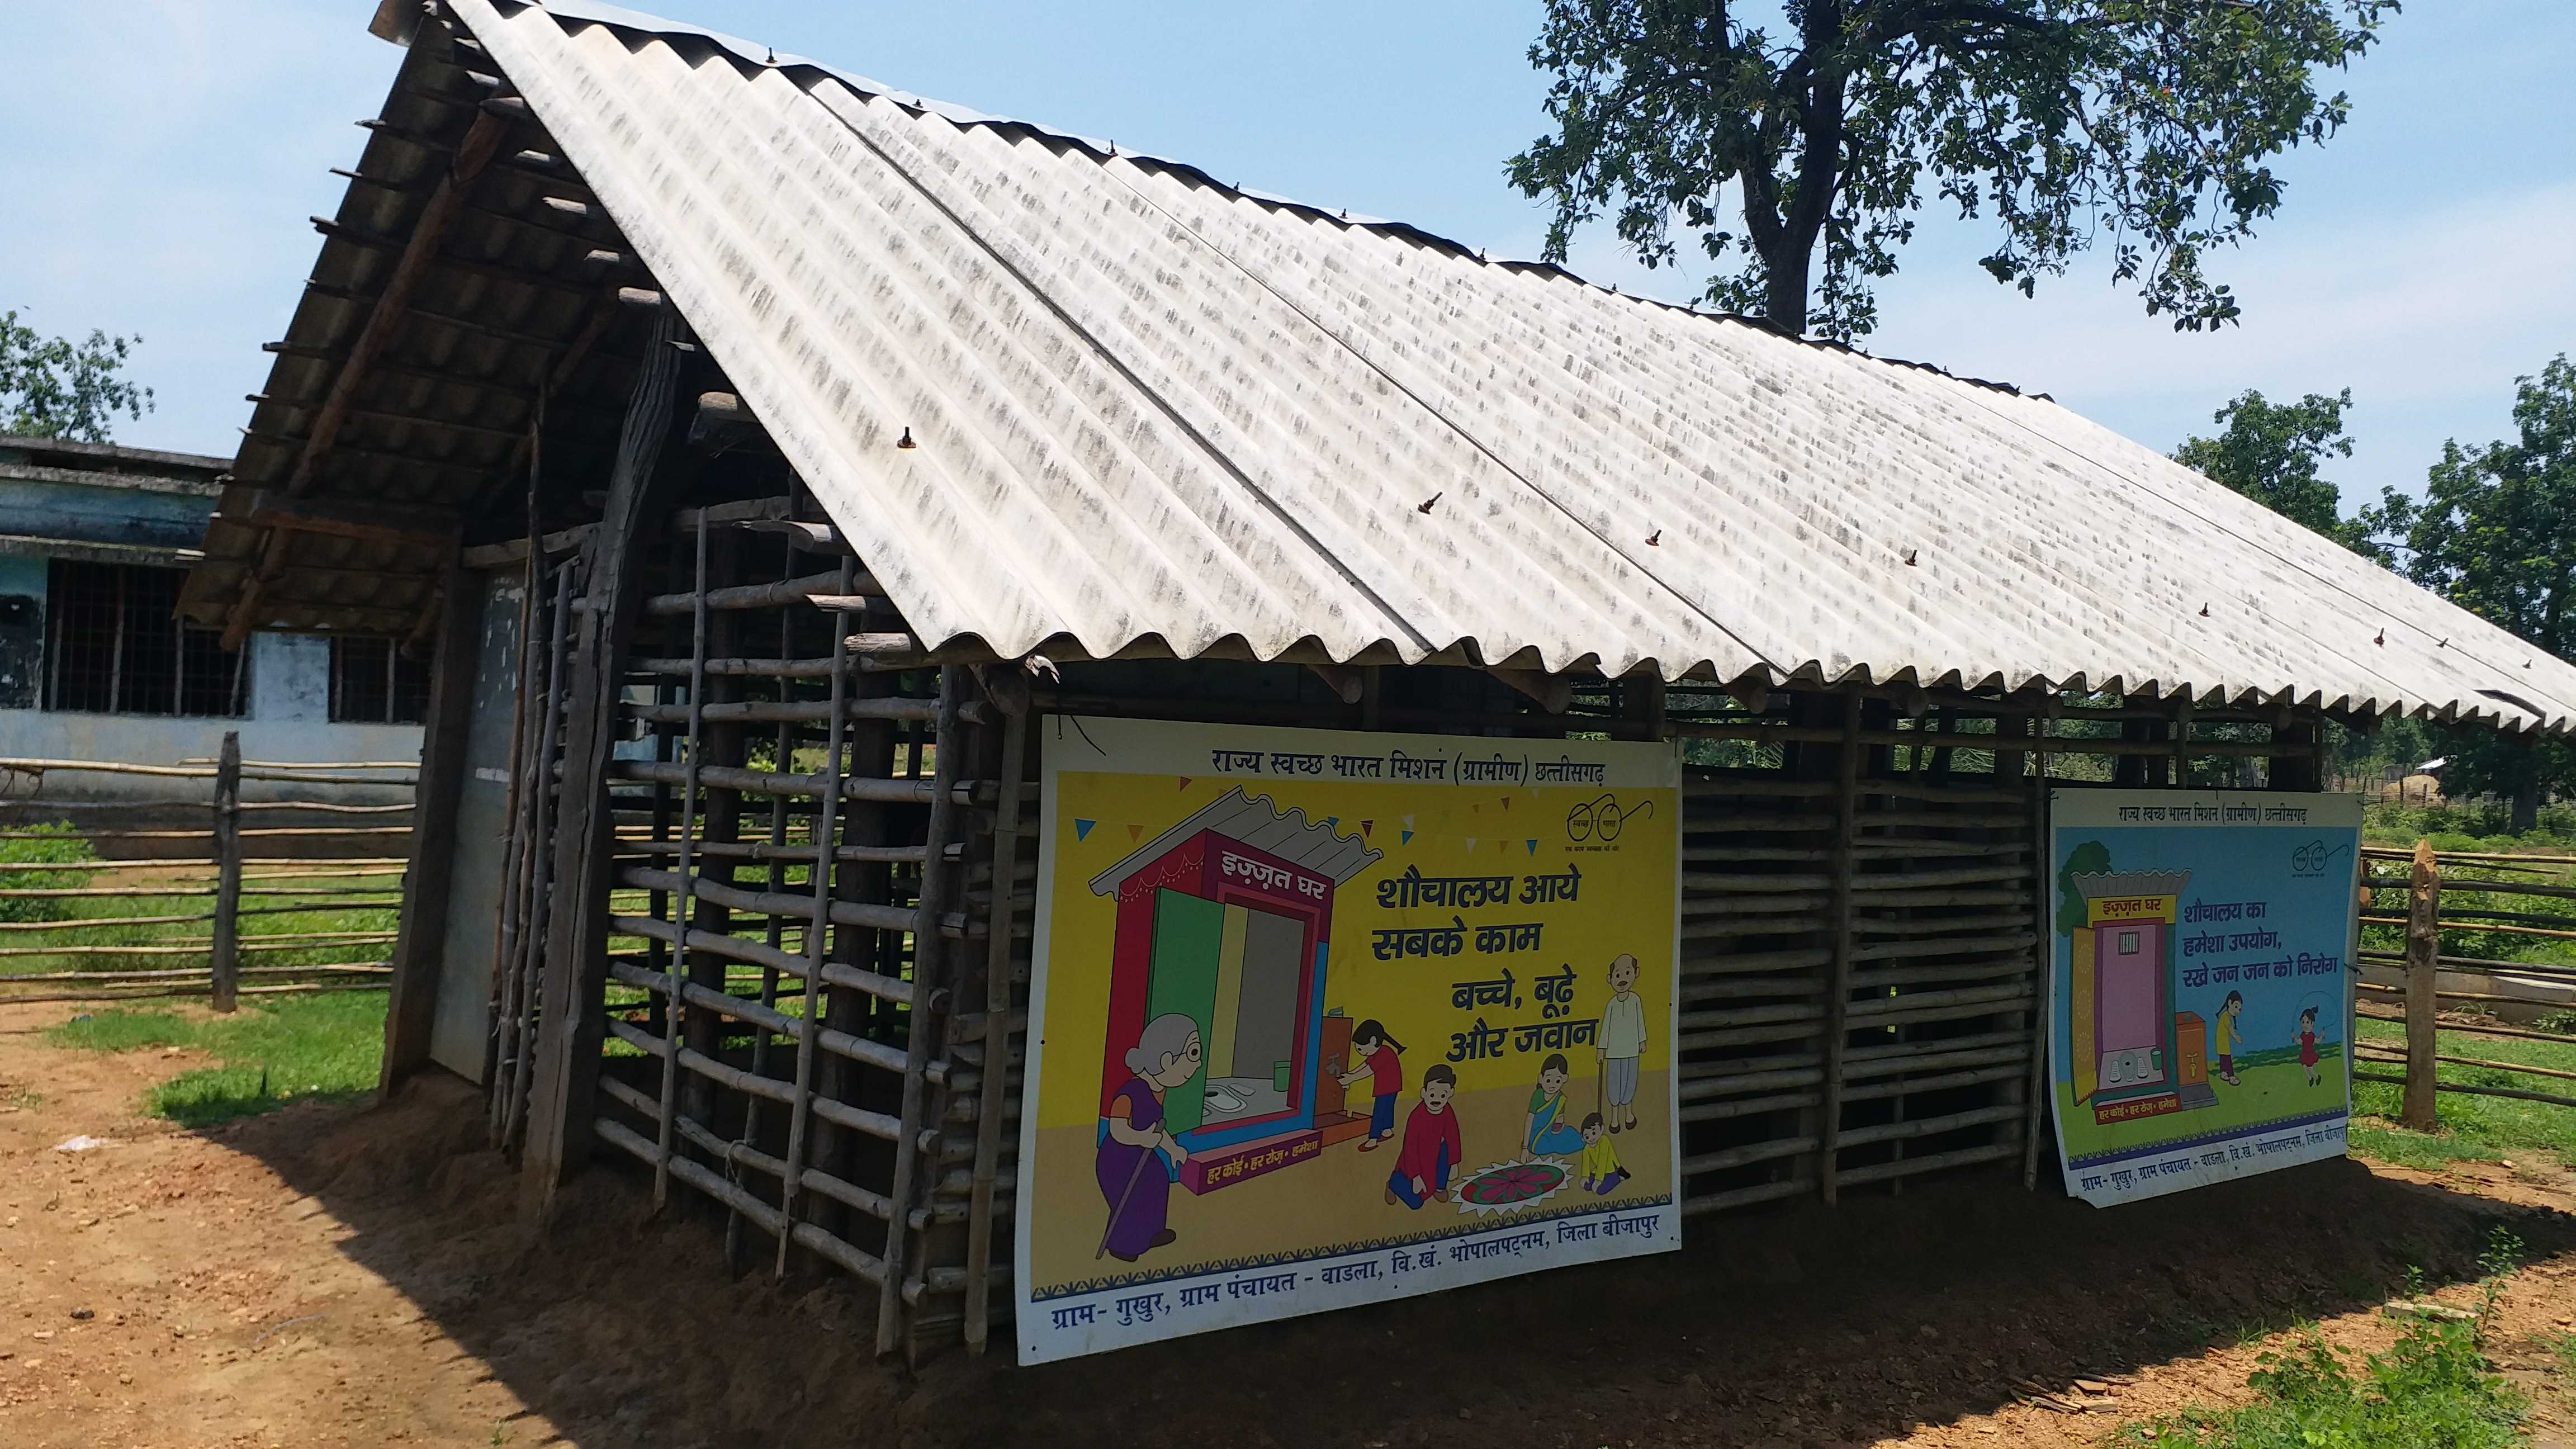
x=651, y=461
x=396, y=523
x=418, y=951
x=1837, y=1036
x=1553, y=692
x=481, y=143
x=418, y=254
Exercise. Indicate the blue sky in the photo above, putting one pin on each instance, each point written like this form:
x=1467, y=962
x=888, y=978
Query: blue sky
x=165, y=153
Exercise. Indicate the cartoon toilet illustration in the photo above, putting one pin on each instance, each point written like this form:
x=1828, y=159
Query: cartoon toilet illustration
x=1225, y=919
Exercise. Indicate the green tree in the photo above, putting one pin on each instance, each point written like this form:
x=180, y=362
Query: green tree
x=53, y=388
x=2496, y=534
x=2146, y=124
x=2270, y=452
x=2090, y=858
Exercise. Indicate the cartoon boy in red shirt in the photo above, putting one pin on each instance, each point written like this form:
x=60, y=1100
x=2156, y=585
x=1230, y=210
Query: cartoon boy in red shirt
x=1432, y=1149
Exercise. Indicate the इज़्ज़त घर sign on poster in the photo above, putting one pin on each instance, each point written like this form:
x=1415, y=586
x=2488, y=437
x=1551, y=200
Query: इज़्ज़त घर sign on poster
x=2200, y=988
x=1319, y=1019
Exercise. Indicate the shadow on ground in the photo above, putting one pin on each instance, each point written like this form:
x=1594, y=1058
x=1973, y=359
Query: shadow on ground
x=1797, y=1326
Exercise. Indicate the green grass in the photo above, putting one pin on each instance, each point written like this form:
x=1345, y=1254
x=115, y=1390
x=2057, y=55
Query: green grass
x=2463, y=827
x=318, y=901
x=2472, y=1129
x=2433, y=1387
x=270, y=1053
x=58, y=848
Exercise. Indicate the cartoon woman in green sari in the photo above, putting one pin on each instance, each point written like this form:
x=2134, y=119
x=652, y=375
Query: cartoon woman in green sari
x=1542, y=1134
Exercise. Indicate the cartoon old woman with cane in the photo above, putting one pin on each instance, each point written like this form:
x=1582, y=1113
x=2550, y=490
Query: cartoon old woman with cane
x=1139, y=1156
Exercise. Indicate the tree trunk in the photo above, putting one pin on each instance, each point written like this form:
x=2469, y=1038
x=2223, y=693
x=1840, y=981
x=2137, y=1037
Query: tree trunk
x=2526, y=803
x=1784, y=304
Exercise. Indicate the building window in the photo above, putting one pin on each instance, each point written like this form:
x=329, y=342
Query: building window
x=115, y=645
x=372, y=683
x=2128, y=943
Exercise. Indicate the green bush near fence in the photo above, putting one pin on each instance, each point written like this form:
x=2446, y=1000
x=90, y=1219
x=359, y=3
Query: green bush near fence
x=56, y=844
x=268, y=1054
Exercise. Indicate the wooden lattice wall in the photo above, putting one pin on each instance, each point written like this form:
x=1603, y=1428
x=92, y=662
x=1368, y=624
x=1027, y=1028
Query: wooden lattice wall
x=809, y=1004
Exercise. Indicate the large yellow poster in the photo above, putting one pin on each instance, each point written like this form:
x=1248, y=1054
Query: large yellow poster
x=1324, y=1018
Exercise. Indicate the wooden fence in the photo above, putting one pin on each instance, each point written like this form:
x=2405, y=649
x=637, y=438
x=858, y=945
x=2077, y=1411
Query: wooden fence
x=234, y=866
x=2444, y=902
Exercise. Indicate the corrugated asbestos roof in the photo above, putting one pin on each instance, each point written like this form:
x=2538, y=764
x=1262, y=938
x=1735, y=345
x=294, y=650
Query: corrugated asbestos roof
x=1151, y=409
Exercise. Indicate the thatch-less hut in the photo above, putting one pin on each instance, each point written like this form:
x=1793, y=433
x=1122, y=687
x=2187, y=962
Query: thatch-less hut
x=765, y=457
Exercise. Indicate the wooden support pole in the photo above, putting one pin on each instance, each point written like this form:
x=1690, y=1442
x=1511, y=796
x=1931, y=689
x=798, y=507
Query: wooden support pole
x=938, y=876
x=676, y=1014
x=817, y=943
x=413, y=1005
x=997, y=1034
x=570, y=1025
x=2040, y=1096
x=1838, y=989
x=2423, y=945
x=228, y=858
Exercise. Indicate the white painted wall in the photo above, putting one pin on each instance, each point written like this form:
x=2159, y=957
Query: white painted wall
x=290, y=719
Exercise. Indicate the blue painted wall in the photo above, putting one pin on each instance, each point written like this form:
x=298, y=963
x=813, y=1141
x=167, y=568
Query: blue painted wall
x=104, y=515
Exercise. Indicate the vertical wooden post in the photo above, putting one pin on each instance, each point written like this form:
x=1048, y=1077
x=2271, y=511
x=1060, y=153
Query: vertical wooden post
x=1829, y=1118
x=675, y=1014
x=412, y=1009
x=997, y=1029
x=651, y=463
x=937, y=875
x=227, y=945
x=2423, y=948
x=2040, y=1098
x=818, y=932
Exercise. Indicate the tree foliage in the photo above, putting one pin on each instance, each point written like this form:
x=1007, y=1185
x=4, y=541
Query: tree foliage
x=2270, y=452
x=51, y=387
x=2146, y=125
x=2496, y=534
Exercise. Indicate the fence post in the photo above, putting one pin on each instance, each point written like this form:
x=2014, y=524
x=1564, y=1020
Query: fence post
x=227, y=955
x=2423, y=947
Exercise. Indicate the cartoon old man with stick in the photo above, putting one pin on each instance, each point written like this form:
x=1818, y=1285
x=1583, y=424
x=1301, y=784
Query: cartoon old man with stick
x=1139, y=1156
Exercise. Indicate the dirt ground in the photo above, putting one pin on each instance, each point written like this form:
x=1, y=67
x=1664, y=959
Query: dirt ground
x=340, y=1276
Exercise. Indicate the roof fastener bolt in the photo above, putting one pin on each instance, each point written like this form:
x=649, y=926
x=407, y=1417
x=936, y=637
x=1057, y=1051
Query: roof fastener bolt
x=905, y=442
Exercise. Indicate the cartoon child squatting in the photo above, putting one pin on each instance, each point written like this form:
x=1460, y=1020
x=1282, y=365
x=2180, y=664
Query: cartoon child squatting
x=1432, y=1149
x=2222, y=1037
x=1601, y=1170
x=1542, y=1134
x=1622, y=1041
x=1139, y=1158
x=1373, y=1056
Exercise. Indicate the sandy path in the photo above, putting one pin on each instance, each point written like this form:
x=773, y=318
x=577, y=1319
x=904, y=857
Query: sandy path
x=334, y=1276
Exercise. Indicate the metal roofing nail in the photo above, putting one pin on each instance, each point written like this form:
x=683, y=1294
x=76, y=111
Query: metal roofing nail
x=906, y=440
x=1425, y=505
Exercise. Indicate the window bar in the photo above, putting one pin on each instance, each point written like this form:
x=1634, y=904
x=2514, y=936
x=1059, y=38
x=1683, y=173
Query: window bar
x=116, y=650
x=818, y=935
x=674, y=1007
